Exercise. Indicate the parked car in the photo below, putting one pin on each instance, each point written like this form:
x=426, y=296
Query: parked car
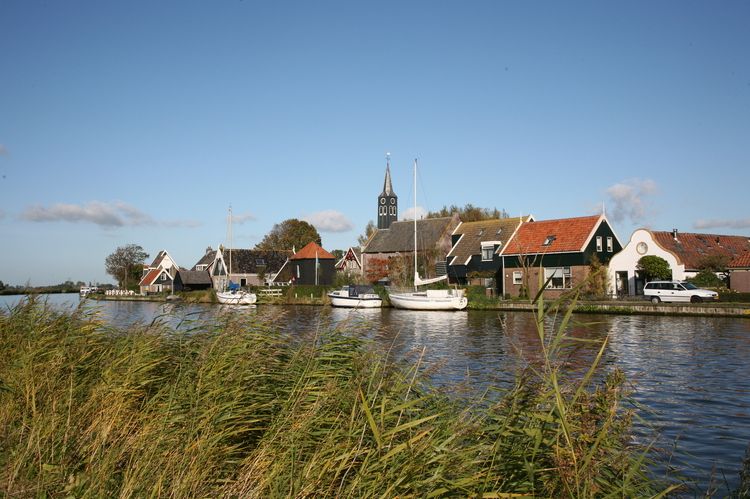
x=677, y=291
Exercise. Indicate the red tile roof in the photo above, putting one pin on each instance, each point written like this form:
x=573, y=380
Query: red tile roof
x=149, y=278
x=570, y=235
x=741, y=262
x=691, y=248
x=309, y=252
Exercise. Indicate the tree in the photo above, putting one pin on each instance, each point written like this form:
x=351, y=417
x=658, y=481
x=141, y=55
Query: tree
x=654, y=268
x=291, y=233
x=597, y=283
x=126, y=264
x=369, y=229
x=469, y=213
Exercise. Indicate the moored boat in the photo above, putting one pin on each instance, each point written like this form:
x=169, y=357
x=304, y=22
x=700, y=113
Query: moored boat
x=431, y=299
x=355, y=297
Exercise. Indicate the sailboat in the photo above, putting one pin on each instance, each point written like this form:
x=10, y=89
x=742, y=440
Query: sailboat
x=431, y=299
x=231, y=294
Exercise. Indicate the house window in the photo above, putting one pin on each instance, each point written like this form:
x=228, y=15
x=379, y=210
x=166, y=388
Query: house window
x=598, y=243
x=609, y=245
x=393, y=210
x=481, y=231
x=382, y=210
x=487, y=253
x=163, y=277
x=549, y=240
x=558, y=278
x=243, y=282
x=517, y=277
x=201, y=267
x=259, y=262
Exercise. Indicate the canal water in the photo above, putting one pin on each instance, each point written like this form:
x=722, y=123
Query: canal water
x=690, y=376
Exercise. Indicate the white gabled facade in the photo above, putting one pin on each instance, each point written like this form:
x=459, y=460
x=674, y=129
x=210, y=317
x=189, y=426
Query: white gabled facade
x=622, y=266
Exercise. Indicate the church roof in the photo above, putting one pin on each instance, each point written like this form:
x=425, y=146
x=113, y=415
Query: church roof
x=387, y=186
x=400, y=236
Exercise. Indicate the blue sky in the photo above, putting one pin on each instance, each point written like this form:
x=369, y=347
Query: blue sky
x=141, y=122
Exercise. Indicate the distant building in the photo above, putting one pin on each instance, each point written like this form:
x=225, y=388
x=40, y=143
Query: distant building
x=475, y=256
x=159, y=276
x=433, y=241
x=683, y=251
x=351, y=262
x=561, y=250
x=387, y=201
x=248, y=267
x=312, y=265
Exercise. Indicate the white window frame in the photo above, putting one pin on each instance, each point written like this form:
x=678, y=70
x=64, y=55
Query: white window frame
x=599, y=243
x=609, y=245
x=517, y=277
x=562, y=277
x=488, y=250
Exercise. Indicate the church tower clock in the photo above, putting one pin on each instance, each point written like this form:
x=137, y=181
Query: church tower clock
x=387, y=201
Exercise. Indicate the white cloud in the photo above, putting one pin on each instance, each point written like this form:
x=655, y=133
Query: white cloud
x=329, y=221
x=107, y=215
x=743, y=223
x=409, y=213
x=242, y=218
x=630, y=199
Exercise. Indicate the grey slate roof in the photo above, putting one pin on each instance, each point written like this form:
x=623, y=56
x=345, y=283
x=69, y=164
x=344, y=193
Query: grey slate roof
x=400, y=236
x=387, y=186
x=193, y=277
x=246, y=261
x=474, y=233
x=206, y=259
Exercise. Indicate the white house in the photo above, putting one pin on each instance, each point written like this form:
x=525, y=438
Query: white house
x=683, y=251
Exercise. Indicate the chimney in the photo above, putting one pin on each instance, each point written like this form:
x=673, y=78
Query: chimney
x=674, y=234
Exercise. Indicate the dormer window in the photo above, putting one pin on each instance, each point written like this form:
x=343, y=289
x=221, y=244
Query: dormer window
x=481, y=231
x=498, y=232
x=549, y=240
x=260, y=262
x=488, y=250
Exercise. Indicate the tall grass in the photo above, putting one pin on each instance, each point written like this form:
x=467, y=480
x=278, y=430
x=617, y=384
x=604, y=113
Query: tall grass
x=239, y=409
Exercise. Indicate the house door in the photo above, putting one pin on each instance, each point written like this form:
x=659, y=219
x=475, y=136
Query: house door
x=621, y=280
x=640, y=281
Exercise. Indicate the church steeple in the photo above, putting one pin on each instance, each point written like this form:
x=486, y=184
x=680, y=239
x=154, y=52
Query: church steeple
x=387, y=201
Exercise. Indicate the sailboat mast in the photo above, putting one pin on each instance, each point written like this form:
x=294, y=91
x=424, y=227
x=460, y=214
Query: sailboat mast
x=229, y=271
x=416, y=274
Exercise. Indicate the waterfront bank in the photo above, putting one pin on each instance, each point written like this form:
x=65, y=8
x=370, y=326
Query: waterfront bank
x=634, y=307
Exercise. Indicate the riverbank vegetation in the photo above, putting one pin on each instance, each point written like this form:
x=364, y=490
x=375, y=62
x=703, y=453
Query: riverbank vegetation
x=240, y=409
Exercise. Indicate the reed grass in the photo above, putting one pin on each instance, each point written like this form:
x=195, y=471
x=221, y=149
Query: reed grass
x=240, y=409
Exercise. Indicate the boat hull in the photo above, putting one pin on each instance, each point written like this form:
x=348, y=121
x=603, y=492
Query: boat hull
x=339, y=299
x=442, y=299
x=236, y=298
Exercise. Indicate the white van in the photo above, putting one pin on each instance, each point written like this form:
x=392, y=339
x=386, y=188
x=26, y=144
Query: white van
x=667, y=291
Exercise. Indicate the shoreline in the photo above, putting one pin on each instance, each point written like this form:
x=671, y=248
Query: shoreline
x=740, y=310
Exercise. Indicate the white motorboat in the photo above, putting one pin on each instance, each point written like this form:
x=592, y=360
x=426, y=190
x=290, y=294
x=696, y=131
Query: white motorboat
x=355, y=297
x=431, y=299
